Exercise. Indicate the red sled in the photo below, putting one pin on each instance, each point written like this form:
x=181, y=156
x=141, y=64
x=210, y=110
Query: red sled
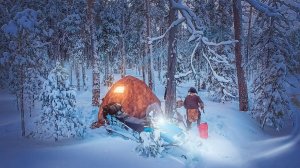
x=203, y=130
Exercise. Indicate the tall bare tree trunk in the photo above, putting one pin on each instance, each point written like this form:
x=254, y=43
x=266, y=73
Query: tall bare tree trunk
x=172, y=55
x=22, y=101
x=106, y=67
x=143, y=65
x=242, y=86
x=95, y=57
x=77, y=74
x=197, y=76
x=159, y=58
x=123, y=52
x=83, y=66
x=249, y=36
x=149, y=48
x=71, y=71
x=159, y=61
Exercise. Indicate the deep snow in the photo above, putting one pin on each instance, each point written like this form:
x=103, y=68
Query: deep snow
x=235, y=140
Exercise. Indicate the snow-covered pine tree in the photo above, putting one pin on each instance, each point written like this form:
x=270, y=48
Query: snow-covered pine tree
x=271, y=104
x=59, y=118
x=275, y=59
x=25, y=58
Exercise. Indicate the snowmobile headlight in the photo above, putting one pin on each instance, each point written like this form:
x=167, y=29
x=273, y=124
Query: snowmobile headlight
x=119, y=89
x=161, y=121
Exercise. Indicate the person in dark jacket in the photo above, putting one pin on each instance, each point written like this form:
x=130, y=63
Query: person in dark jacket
x=192, y=103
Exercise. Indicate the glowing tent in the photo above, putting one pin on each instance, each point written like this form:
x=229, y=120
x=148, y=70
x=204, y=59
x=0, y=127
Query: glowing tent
x=134, y=95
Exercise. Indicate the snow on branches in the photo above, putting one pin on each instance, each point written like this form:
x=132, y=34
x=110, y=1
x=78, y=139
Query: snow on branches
x=264, y=8
x=276, y=58
x=224, y=85
x=271, y=104
x=60, y=119
x=152, y=144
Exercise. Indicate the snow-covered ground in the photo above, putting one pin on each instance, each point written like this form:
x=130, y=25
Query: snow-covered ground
x=235, y=140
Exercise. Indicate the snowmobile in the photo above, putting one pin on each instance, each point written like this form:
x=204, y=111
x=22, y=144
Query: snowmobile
x=128, y=126
x=172, y=137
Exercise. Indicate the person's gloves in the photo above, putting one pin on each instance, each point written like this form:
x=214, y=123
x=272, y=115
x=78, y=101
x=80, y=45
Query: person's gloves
x=202, y=108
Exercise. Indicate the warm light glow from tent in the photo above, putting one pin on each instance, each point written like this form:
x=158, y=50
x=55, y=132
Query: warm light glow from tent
x=119, y=89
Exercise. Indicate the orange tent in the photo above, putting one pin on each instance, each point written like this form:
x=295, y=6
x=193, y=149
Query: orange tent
x=134, y=95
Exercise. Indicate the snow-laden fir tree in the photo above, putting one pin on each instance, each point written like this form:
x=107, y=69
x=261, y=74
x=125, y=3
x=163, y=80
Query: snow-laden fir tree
x=25, y=59
x=59, y=118
x=271, y=104
x=276, y=57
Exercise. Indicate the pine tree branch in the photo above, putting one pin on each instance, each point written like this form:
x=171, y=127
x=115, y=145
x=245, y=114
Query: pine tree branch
x=269, y=11
x=219, y=78
x=192, y=56
x=175, y=23
x=228, y=42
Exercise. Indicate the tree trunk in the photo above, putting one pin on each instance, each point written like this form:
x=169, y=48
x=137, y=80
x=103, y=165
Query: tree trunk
x=149, y=48
x=123, y=52
x=77, y=74
x=95, y=57
x=242, y=86
x=106, y=68
x=83, y=66
x=143, y=66
x=71, y=71
x=159, y=58
x=172, y=55
x=22, y=102
x=197, y=77
x=248, y=53
x=159, y=68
